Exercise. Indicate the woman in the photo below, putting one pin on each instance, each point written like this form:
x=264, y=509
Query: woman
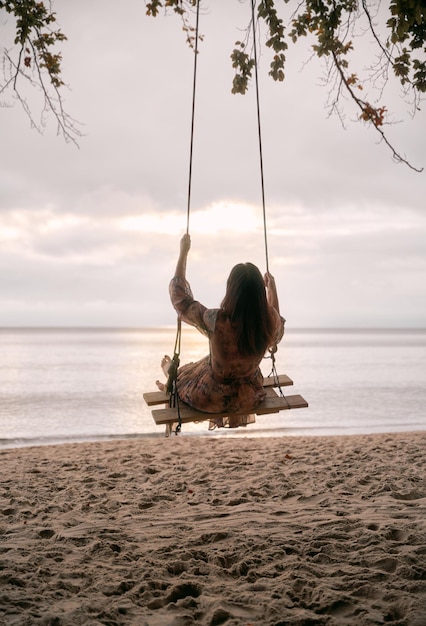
x=247, y=323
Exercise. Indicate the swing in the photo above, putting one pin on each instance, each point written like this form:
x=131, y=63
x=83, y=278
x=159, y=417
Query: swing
x=177, y=412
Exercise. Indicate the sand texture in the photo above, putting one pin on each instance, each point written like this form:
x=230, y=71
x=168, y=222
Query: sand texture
x=199, y=530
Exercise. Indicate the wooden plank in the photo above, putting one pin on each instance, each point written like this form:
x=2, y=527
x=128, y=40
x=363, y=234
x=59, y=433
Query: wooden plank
x=156, y=397
x=153, y=398
x=283, y=381
x=281, y=403
x=271, y=404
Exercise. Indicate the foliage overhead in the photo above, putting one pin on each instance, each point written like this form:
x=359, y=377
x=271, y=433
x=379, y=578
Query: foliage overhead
x=33, y=60
x=330, y=25
x=398, y=32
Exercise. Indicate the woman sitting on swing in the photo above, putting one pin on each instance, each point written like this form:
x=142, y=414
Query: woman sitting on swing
x=247, y=323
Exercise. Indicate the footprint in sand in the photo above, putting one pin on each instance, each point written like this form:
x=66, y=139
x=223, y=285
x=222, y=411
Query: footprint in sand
x=410, y=495
x=394, y=534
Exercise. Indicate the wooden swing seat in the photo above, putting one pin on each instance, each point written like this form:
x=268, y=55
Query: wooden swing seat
x=273, y=403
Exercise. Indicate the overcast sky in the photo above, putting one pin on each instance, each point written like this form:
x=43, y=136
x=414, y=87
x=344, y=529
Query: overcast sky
x=90, y=235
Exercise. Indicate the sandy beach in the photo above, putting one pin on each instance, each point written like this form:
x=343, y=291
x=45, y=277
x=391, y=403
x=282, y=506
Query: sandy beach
x=198, y=530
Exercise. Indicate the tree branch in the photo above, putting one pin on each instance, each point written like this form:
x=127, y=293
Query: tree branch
x=34, y=39
x=370, y=113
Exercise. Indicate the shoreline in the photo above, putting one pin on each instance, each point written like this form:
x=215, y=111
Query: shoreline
x=258, y=433
x=185, y=530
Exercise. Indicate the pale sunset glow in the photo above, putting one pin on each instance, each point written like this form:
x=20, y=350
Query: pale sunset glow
x=226, y=216
x=154, y=223
x=219, y=217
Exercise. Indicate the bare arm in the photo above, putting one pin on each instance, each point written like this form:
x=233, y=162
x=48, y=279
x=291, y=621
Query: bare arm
x=271, y=291
x=185, y=244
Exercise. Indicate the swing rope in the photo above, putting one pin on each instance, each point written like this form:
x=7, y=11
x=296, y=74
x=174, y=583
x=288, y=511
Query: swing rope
x=259, y=132
x=171, y=386
x=191, y=147
x=273, y=349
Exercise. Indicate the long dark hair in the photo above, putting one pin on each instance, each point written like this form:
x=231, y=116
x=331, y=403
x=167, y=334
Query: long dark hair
x=246, y=305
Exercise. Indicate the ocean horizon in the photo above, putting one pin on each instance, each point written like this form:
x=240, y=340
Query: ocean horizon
x=73, y=384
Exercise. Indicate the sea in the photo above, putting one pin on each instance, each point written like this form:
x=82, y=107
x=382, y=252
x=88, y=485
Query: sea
x=61, y=385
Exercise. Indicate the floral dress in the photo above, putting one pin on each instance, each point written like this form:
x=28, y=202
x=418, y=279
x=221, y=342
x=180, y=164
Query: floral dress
x=224, y=381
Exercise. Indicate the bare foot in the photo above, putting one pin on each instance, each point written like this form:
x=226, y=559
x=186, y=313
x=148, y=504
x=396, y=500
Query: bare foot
x=165, y=365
